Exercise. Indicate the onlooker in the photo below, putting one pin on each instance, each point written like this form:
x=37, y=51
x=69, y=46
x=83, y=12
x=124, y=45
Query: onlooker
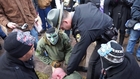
x=14, y=14
x=114, y=63
x=119, y=10
x=60, y=74
x=120, y=14
x=88, y=24
x=17, y=62
x=43, y=8
x=53, y=46
x=134, y=34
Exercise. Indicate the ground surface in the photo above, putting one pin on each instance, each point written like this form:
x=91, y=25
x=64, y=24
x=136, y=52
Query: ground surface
x=47, y=69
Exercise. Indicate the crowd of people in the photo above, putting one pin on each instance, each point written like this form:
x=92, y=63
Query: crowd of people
x=100, y=21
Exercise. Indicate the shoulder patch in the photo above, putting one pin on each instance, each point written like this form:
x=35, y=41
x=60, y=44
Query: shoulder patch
x=78, y=37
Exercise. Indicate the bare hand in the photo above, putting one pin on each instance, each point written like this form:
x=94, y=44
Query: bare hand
x=36, y=19
x=12, y=25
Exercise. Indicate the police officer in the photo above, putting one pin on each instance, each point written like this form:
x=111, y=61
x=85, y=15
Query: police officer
x=88, y=25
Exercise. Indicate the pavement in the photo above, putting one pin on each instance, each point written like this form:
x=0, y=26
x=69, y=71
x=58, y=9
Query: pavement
x=39, y=66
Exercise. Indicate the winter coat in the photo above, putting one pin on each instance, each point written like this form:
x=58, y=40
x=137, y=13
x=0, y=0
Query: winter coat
x=10, y=11
x=121, y=13
x=13, y=68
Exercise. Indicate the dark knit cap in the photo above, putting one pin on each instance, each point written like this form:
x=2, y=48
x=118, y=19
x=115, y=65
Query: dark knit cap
x=112, y=51
x=17, y=44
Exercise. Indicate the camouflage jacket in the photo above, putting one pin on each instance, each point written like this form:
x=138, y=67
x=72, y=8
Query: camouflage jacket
x=59, y=52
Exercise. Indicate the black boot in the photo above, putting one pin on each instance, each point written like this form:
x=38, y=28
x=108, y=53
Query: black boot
x=121, y=39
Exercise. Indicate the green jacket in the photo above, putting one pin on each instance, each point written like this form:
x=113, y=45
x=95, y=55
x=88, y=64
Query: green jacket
x=74, y=75
x=59, y=52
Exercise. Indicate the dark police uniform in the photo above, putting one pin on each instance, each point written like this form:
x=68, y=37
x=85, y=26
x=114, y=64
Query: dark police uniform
x=88, y=24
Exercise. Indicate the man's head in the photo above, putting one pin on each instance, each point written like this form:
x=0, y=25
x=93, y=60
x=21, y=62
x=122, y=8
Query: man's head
x=58, y=73
x=59, y=18
x=112, y=52
x=19, y=45
x=52, y=36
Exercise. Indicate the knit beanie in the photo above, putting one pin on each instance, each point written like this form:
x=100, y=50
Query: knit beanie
x=18, y=43
x=112, y=51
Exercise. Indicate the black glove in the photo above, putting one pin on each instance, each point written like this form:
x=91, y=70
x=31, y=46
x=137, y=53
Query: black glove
x=69, y=71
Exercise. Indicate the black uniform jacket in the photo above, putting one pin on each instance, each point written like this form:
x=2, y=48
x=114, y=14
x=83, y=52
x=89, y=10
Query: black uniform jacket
x=12, y=68
x=128, y=69
x=88, y=24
